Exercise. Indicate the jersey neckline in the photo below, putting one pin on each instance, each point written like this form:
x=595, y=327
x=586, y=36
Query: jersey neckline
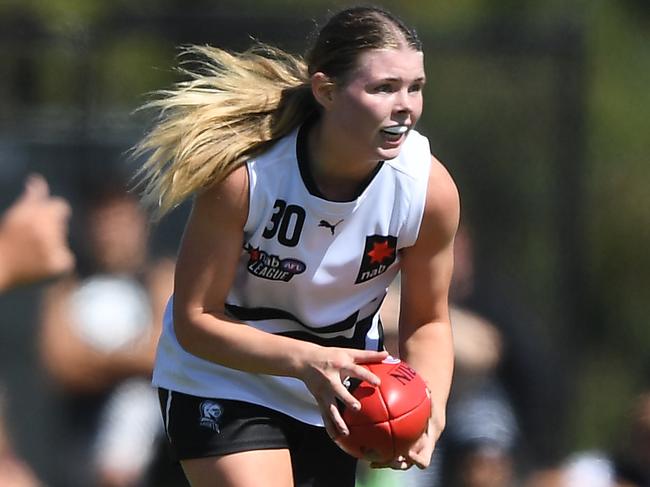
x=304, y=166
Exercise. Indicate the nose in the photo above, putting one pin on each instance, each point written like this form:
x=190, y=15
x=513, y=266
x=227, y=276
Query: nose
x=403, y=103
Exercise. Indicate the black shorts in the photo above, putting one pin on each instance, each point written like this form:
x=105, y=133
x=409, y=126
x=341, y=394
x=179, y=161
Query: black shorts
x=200, y=427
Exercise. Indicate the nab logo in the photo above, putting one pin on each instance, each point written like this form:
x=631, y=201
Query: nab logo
x=272, y=267
x=379, y=253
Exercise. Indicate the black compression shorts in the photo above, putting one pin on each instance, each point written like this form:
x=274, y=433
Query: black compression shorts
x=200, y=427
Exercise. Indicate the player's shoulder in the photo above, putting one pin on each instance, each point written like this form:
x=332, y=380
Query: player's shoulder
x=414, y=156
x=441, y=182
x=442, y=207
x=282, y=151
x=226, y=197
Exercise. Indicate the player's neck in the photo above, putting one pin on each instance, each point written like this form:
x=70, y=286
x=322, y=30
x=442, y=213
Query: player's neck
x=336, y=170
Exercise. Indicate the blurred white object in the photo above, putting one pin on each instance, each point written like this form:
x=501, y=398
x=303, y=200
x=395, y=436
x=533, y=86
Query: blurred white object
x=129, y=426
x=591, y=469
x=110, y=312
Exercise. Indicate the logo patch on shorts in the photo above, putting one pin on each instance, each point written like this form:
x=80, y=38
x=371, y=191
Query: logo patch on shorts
x=211, y=412
x=379, y=253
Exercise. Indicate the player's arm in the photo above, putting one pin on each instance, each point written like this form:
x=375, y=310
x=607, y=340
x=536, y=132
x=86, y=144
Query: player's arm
x=425, y=339
x=205, y=270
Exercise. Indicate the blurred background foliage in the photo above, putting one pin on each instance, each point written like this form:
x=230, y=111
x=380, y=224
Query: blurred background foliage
x=539, y=108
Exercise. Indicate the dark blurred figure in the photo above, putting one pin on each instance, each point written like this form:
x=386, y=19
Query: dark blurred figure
x=530, y=369
x=482, y=428
x=98, y=336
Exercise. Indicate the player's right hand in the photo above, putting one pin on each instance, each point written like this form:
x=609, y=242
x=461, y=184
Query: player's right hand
x=324, y=374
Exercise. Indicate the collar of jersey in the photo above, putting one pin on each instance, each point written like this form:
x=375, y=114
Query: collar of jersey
x=302, y=155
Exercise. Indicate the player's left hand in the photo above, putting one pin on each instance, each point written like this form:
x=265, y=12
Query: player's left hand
x=421, y=451
x=419, y=454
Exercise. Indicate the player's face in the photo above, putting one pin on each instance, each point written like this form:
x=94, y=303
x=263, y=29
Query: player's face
x=380, y=102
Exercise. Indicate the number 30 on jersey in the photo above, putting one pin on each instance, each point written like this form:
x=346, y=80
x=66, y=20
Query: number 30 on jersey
x=287, y=222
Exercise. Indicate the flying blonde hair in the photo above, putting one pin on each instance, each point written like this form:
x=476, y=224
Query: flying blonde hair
x=238, y=104
x=233, y=107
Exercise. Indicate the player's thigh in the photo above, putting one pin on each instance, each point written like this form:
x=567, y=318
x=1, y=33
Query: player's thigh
x=222, y=442
x=270, y=468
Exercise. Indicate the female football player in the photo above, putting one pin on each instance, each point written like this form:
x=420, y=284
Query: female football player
x=312, y=190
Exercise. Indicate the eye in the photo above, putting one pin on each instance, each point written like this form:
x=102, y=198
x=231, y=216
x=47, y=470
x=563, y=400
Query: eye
x=384, y=88
x=416, y=87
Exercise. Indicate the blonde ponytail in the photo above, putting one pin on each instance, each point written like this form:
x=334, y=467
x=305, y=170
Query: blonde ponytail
x=235, y=107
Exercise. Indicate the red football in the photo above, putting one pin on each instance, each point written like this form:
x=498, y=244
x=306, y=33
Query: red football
x=393, y=415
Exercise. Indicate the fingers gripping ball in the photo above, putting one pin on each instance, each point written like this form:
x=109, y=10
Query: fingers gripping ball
x=393, y=415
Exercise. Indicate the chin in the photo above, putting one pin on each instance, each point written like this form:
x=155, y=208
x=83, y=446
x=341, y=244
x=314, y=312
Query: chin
x=388, y=154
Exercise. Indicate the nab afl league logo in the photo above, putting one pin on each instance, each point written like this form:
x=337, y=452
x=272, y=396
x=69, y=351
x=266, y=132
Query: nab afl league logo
x=272, y=267
x=379, y=253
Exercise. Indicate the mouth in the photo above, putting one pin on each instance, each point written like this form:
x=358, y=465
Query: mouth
x=396, y=129
x=394, y=133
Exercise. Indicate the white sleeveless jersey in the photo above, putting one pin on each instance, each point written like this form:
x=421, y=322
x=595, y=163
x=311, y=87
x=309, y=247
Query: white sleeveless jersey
x=310, y=269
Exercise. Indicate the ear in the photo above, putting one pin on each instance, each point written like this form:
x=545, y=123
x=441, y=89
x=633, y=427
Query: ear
x=322, y=87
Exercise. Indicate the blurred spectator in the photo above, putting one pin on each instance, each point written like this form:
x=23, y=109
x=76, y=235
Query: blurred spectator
x=530, y=370
x=33, y=236
x=98, y=336
x=33, y=246
x=482, y=430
